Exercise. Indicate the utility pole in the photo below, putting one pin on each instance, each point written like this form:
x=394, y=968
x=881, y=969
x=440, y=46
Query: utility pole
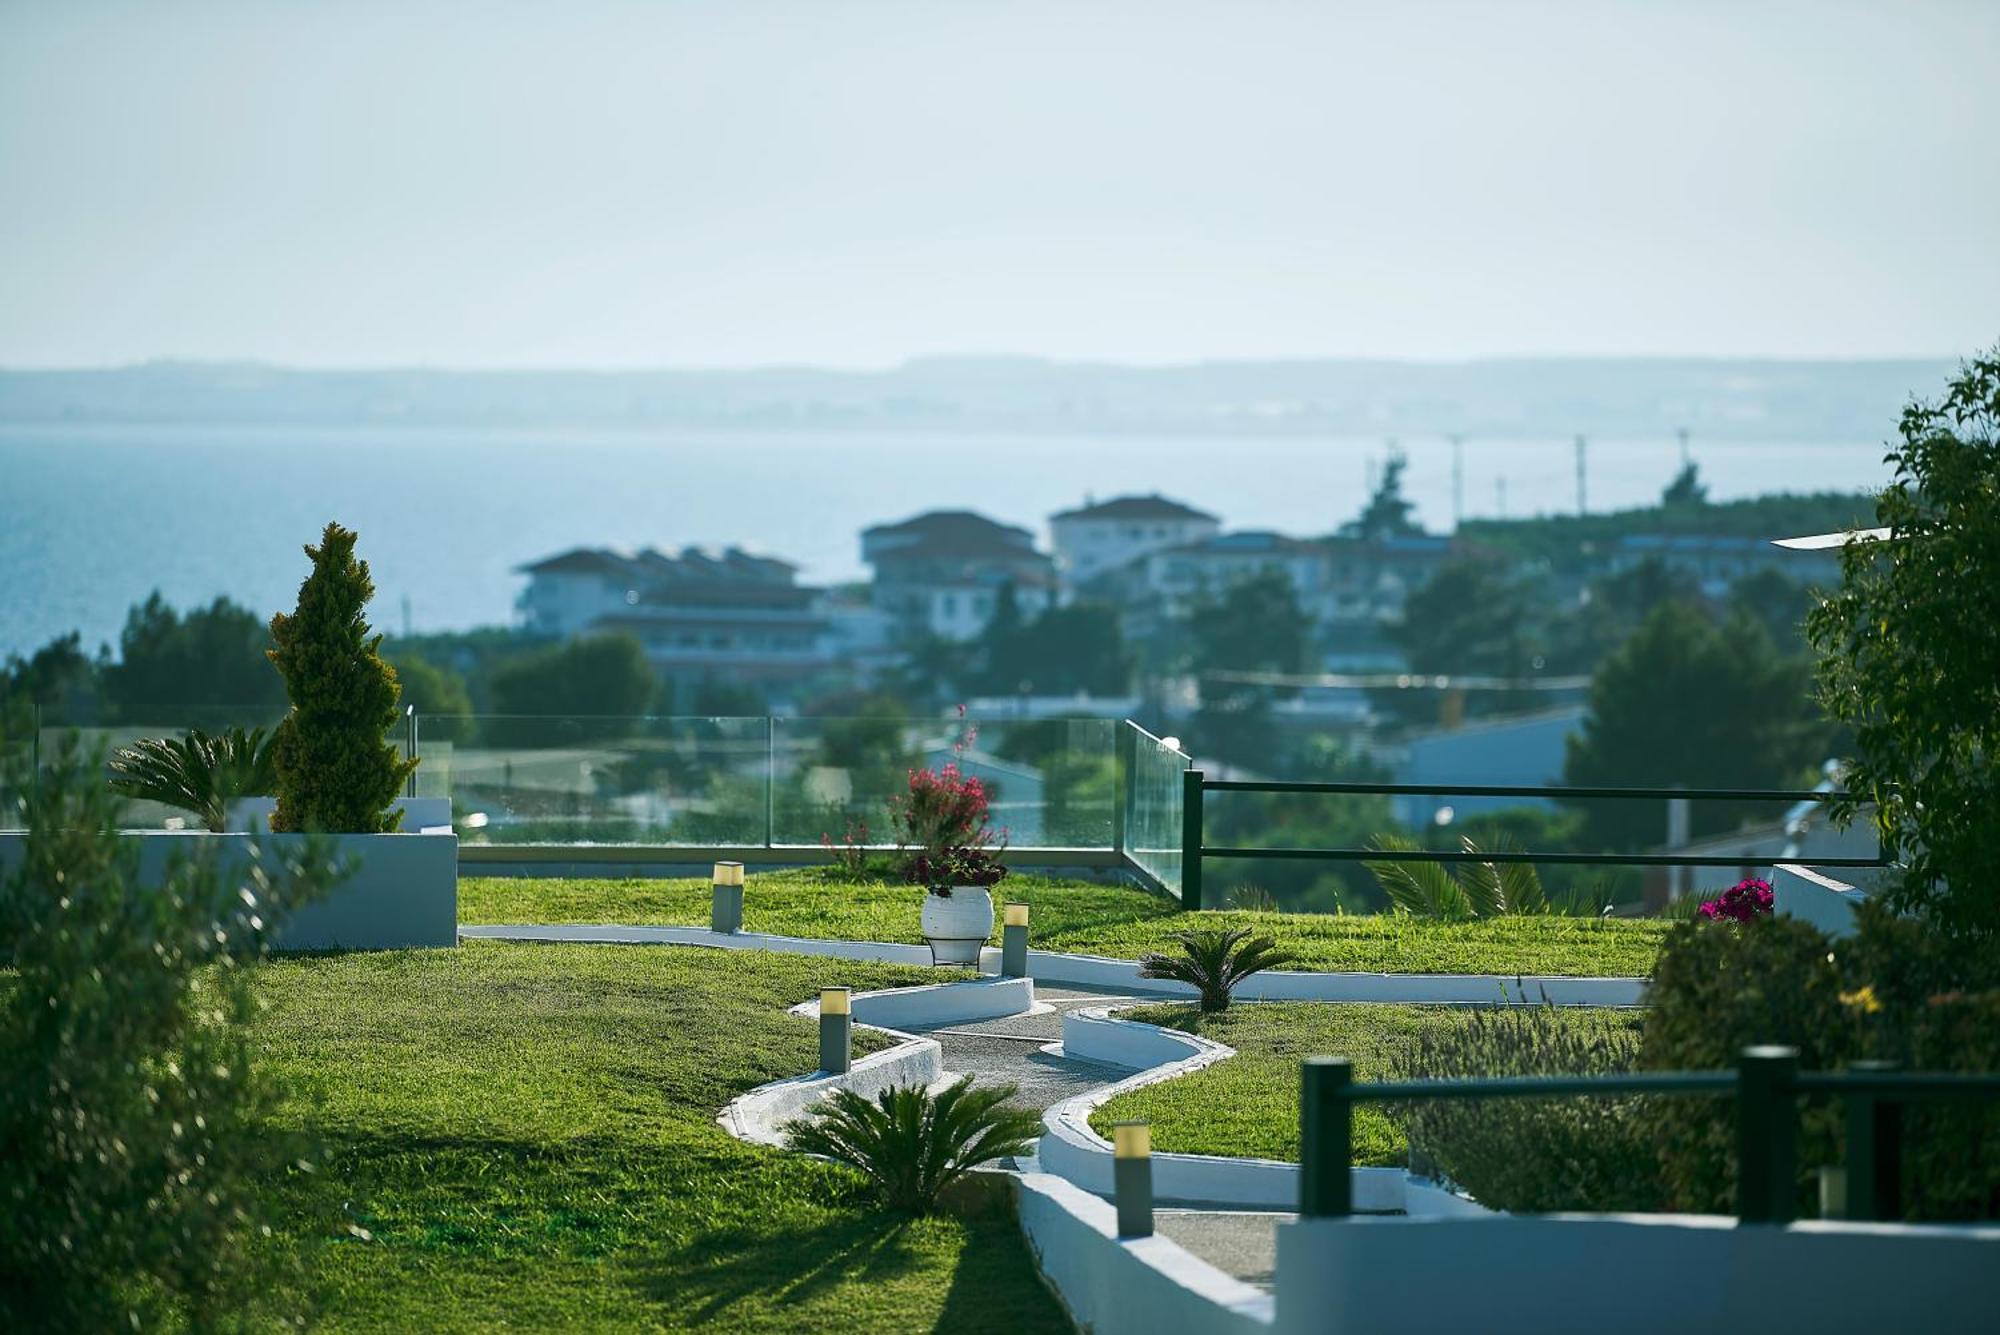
x=1457, y=481
x=406, y=616
x=1683, y=434
x=1500, y=495
x=1582, y=469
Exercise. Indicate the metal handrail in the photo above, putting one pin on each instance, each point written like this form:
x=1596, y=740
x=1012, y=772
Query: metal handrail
x=1766, y=1085
x=1195, y=784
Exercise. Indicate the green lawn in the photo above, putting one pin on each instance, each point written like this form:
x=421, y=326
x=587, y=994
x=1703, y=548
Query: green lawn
x=1248, y=1105
x=527, y=1136
x=1120, y=921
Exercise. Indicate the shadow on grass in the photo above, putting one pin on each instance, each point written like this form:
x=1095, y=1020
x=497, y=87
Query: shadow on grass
x=706, y=1279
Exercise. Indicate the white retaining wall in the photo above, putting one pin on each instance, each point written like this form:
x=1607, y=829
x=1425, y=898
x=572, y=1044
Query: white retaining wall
x=1635, y=1274
x=403, y=891
x=1129, y=1286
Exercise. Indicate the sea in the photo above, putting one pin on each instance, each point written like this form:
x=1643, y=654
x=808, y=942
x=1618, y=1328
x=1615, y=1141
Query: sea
x=93, y=518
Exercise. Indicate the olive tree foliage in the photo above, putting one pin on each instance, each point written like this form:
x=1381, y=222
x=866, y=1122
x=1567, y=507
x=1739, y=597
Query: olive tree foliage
x=1909, y=657
x=133, y=1127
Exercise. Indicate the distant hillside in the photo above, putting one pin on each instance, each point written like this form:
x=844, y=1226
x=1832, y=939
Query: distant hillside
x=1609, y=398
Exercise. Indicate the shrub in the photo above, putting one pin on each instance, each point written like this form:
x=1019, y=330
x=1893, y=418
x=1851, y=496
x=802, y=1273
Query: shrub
x=1717, y=988
x=199, y=774
x=335, y=771
x=130, y=1115
x=1537, y=1154
x=911, y=1143
x=1214, y=962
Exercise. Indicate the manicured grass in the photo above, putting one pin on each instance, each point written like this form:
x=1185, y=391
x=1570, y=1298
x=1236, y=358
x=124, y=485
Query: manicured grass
x=1248, y=1105
x=1119, y=921
x=527, y=1136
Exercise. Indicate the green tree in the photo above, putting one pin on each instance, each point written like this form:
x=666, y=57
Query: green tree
x=211, y=659
x=599, y=685
x=1468, y=620
x=58, y=678
x=1687, y=702
x=1253, y=627
x=1909, y=656
x=439, y=695
x=1686, y=490
x=1614, y=606
x=1061, y=652
x=1387, y=514
x=1778, y=603
x=336, y=773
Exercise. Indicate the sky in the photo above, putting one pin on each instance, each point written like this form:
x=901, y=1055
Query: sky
x=596, y=184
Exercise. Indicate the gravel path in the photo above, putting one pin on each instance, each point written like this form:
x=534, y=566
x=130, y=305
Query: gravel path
x=1010, y=1048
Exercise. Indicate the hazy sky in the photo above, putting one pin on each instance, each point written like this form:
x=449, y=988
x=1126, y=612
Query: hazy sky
x=600, y=184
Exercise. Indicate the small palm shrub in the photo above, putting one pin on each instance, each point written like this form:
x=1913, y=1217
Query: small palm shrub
x=1214, y=962
x=199, y=774
x=911, y=1143
x=336, y=772
x=1476, y=890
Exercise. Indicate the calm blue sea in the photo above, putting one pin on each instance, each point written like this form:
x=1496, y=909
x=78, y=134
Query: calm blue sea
x=92, y=519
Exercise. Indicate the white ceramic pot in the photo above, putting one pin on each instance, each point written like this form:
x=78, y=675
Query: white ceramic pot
x=958, y=924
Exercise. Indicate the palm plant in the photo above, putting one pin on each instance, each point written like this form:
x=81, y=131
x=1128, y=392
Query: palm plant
x=1479, y=890
x=913, y=1143
x=199, y=774
x=1213, y=962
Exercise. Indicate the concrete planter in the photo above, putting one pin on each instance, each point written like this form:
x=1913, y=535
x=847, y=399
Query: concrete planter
x=957, y=924
x=403, y=891
x=414, y=814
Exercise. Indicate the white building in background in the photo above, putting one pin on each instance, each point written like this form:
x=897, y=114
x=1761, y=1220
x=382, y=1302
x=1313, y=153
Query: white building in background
x=698, y=615
x=1714, y=563
x=943, y=573
x=1104, y=536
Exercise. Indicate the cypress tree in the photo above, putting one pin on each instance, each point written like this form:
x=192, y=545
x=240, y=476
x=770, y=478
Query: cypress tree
x=337, y=773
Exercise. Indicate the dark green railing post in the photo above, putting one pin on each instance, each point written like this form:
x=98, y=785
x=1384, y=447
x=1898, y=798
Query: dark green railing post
x=1190, y=839
x=1766, y=1135
x=1326, y=1138
x=1874, y=1150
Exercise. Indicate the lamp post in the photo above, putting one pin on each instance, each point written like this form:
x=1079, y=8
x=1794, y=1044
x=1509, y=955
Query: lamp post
x=1132, y=1178
x=725, y=912
x=836, y=1030
x=1014, y=942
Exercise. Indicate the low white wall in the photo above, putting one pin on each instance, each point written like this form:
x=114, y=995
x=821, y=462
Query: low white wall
x=414, y=815
x=1819, y=899
x=1123, y=975
x=761, y=1114
x=403, y=891
x=1635, y=1274
x=1133, y=1286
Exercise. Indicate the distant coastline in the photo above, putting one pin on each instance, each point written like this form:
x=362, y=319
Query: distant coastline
x=1515, y=398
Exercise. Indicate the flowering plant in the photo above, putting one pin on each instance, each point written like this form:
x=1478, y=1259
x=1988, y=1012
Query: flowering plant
x=1746, y=901
x=942, y=827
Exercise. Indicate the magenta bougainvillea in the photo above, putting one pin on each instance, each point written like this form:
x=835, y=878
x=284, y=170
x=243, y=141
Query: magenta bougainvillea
x=1746, y=901
x=943, y=829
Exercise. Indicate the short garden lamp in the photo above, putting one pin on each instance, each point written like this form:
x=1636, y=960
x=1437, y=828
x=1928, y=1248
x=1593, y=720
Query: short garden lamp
x=725, y=910
x=1014, y=942
x=1132, y=1178
x=836, y=1030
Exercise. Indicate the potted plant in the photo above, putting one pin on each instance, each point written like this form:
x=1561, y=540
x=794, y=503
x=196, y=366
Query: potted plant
x=949, y=848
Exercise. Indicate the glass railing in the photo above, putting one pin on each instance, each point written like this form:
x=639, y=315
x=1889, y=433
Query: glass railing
x=748, y=781
x=1152, y=815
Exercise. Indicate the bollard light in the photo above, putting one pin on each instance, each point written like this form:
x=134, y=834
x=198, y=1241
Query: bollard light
x=1832, y=1192
x=725, y=909
x=836, y=1030
x=1014, y=942
x=1132, y=1178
